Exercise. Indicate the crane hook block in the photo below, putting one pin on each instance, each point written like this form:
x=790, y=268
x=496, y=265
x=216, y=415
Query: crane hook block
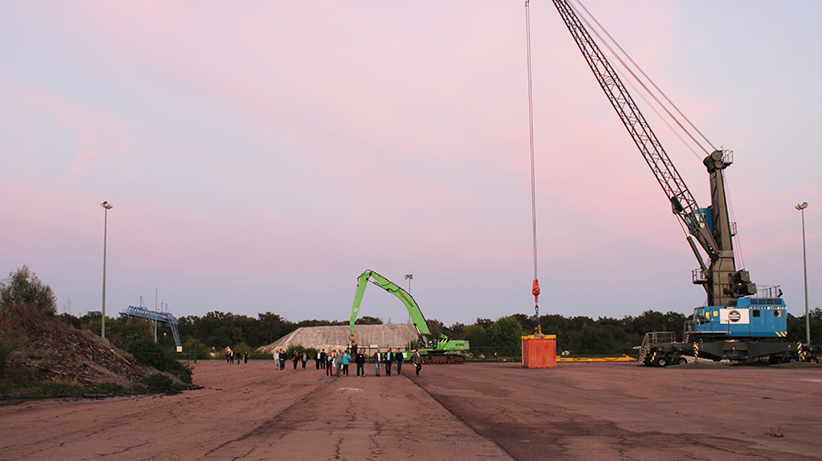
x=535, y=290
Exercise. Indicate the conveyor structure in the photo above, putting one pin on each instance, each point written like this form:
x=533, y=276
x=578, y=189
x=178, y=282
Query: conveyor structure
x=163, y=318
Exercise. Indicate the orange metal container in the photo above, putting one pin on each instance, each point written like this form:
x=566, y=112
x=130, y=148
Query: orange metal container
x=539, y=351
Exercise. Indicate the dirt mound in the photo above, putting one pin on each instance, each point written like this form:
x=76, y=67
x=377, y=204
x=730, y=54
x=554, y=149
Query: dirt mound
x=52, y=350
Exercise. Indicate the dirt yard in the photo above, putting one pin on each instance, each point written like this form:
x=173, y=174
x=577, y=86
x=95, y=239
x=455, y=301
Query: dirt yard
x=597, y=411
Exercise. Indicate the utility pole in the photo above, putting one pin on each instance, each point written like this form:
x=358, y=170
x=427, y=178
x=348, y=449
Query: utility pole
x=156, y=313
x=801, y=207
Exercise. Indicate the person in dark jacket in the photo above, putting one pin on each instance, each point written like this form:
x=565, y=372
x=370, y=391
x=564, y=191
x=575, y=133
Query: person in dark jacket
x=389, y=360
x=360, y=361
x=398, y=357
x=281, y=357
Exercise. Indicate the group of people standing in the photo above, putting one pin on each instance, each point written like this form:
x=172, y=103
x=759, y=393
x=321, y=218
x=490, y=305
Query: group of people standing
x=240, y=357
x=296, y=359
x=340, y=359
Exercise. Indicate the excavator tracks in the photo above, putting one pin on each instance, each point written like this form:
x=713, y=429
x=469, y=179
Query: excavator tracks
x=443, y=359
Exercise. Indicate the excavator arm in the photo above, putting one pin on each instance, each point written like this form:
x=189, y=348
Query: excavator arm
x=394, y=289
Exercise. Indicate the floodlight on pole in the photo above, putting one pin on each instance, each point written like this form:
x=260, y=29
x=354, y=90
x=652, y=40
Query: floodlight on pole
x=107, y=207
x=801, y=207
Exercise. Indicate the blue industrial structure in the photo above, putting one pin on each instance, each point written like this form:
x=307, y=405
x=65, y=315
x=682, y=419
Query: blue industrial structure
x=164, y=318
x=735, y=323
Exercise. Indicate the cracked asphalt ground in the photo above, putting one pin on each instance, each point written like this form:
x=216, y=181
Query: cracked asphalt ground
x=605, y=411
x=249, y=412
x=623, y=411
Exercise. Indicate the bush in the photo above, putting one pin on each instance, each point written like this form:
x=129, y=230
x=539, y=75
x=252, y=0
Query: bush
x=257, y=355
x=23, y=288
x=242, y=348
x=50, y=390
x=7, y=347
x=195, y=349
x=300, y=349
x=111, y=388
x=159, y=382
x=179, y=370
x=146, y=351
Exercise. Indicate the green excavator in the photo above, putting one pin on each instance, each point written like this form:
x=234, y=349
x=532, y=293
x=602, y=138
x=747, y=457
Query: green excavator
x=434, y=350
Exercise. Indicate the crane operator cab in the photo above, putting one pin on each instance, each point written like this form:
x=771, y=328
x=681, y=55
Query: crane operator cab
x=750, y=318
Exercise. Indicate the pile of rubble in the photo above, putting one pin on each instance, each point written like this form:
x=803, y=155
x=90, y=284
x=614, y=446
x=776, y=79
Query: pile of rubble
x=56, y=351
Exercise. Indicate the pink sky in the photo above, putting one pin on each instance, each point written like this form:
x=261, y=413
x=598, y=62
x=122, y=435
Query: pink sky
x=260, y=156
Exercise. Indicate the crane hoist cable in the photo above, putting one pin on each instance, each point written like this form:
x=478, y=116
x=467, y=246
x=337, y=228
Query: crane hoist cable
x=535, y=288
x=640, y=81
x=610, y=39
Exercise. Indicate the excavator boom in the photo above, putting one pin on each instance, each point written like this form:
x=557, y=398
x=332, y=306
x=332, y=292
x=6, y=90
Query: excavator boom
x=394, y=289
x=433, y=348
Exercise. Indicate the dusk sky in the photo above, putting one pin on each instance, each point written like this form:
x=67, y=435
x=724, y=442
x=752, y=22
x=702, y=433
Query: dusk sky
x=261, y=155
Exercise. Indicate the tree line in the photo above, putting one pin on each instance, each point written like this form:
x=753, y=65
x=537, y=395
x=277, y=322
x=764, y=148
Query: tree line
x=579, y=335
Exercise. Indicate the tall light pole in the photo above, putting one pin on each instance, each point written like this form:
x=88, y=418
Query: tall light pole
x=107, y=207
x=801, y=207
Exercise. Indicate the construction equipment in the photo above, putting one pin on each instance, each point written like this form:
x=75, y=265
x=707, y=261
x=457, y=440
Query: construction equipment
x=434, y=350
x=737, y=322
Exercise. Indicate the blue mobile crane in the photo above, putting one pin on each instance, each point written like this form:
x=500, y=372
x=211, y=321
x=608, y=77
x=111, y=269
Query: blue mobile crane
x=738, y=322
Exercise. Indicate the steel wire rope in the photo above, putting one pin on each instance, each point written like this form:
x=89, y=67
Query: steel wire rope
x=639, y=80
x=675, y=132
x=738, y=246
x=535, y=289
x=641, y=94
x=649, y=79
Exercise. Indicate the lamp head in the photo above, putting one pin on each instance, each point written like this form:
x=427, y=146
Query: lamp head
x=802, y=206
x=107, y=205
